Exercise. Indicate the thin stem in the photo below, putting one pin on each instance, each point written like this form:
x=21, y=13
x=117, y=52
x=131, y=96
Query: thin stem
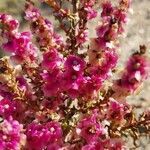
x=136, y=124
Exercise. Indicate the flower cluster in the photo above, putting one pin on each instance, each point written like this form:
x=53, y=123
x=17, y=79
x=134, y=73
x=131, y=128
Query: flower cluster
x=41, y=136
x=19, y=44
x=55, y=92
x=88, y=8
x=136, y=72
x=11, y=135
x=41, y=28
x=90, y=129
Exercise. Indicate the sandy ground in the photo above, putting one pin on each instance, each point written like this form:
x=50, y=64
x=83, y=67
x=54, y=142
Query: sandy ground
x=138, y=32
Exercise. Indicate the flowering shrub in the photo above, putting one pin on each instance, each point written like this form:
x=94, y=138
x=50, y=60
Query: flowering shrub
x=57, y=93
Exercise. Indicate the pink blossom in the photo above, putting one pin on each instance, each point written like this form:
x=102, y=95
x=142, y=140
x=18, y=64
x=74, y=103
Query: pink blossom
x=5, y=93
x=21, y=46
x=82, y=37
x=101, y=42
x=51, y=60
x=32, y=13
x=11, y=135
x=107, y=9
x=92, y=84
x=130, y=82
x=41, y=136
x=102, y=30
x=89, y=129
x=51, y=84
x=61, y=100
x=22, y=83
x=74, y=63
x=111, y=58
x=12, y=24
x=112, y=24
x=42, y=28
x=55, y=131
x=91, y=13
x=7, y=108
x=120, y=16
x=37, y=136
x=73, y=75
x=52, y=103
x=12, y=108
x=136, y=71
x=116, y=111
x=99, y=73
x=138, y=63
x=71, y=82
x=103, y=71
x=58, y=39
x=10, y=46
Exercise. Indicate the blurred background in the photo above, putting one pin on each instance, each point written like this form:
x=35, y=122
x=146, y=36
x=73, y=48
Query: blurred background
x=137, y=33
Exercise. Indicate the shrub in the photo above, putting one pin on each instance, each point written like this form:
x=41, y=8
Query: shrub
x=59, y=92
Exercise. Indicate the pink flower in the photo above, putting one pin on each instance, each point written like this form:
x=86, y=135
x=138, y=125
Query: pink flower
x=101, y=42
x=136, y=71
x=7, y=108
x=130, y=82
x=108, y=31
x=91, y=13
x=116, y=111
x=99, y=73
x=58, y=39
x=53, y=103
x=11, y=108
x=32, y=13
x=11, y=135
x=12, y=24
x=75, y=87
x=90, y=85
x=111, y=58
x=51, y=60
x=71, y=82
x=37, y=137
x=52, y=82
x=102, y=30
x=120, y=16
x=74, y=63
x=58, y=101
x=43, y=136
x=21, y=47
x=138, y=63
x=82, y=37
x=22, y=83
x=89, y=129
x=73, y=75
x=42, y=28
x=5, y=93
x=55, y=131
x=10, y=46
x=107, y=9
